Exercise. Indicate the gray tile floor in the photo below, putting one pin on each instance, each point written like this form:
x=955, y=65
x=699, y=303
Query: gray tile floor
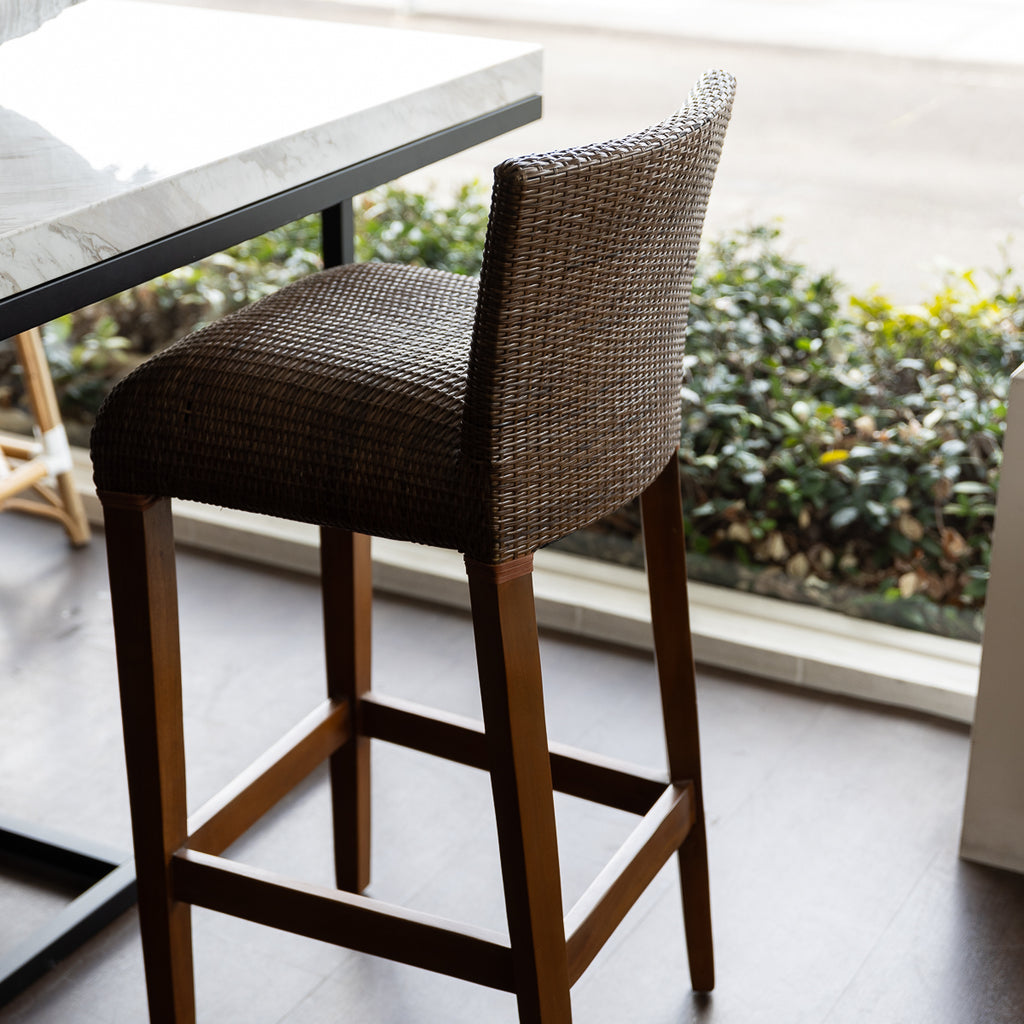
x=838, y=895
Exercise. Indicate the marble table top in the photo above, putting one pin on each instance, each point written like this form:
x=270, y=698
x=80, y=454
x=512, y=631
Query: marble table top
x=19, y=17
x=122, y=122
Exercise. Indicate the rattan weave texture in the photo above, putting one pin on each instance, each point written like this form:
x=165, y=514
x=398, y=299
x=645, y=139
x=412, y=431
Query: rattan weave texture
x=492, y=417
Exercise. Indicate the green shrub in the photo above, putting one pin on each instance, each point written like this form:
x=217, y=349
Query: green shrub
x=859, y=447
x=844, y=454
x=840, y=451
x=397, y=226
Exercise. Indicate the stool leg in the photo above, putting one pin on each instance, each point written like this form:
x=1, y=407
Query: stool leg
x=505, y=628
x=347, y=583
x=665, y=551
x=143, y=590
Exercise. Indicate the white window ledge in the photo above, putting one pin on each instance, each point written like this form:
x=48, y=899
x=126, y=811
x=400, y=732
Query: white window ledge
x=760, y=636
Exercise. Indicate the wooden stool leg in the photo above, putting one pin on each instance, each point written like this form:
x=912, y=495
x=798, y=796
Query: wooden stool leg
x=505, y=627
x=43, y=400
x=143, y=589
x=347, y=583
x=665, y=551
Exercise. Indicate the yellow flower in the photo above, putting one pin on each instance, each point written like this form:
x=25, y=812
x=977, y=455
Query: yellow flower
x=837, y=455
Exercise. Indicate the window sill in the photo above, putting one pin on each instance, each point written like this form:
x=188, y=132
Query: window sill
x=761, y=636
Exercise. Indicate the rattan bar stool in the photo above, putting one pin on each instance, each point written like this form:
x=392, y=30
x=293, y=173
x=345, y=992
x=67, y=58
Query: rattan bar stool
x=491, y=417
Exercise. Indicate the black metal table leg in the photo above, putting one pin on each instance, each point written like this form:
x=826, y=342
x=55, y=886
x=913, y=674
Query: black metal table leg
x=106, y=874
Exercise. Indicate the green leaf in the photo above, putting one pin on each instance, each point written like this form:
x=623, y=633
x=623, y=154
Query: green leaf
x=843, y=517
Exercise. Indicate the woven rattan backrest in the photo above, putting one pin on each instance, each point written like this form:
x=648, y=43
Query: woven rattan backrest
x=572, y=403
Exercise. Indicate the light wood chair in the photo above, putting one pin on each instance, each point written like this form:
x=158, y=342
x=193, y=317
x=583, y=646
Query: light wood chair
x=491, y=417
x=29, y=465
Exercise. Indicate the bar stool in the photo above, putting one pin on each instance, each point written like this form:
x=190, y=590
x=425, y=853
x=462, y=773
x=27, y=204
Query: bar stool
x=49, y=456
x=490, y=417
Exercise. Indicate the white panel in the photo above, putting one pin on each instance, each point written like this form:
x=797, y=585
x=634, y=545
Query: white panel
x=993, y=829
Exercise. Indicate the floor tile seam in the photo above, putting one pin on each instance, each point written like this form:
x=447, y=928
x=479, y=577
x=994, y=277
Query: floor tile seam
x=883, y=931
x=764, y=780
x=324, y=979
x=247, y=948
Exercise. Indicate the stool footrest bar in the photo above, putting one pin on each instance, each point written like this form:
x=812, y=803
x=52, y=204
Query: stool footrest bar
x=579, y=773
x=221, y=820
x=344, y=919
x=606, y=902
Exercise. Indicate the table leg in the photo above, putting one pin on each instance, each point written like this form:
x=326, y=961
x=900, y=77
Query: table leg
x=106, y=875
x=338, y=234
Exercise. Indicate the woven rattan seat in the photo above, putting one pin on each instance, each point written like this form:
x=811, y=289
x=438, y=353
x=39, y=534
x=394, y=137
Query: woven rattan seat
x=489, y=416
x=336, y=401
x=386, y=400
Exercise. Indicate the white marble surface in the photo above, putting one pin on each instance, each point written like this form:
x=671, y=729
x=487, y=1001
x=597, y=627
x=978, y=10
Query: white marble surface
x=122, y=122
x=19, y=17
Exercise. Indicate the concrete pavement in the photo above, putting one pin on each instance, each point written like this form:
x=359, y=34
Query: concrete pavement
x=981, y=30
x=886, y=135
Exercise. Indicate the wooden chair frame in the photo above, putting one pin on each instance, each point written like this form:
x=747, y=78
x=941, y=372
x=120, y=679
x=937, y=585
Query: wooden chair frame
x=49, y=456
x=179, y=859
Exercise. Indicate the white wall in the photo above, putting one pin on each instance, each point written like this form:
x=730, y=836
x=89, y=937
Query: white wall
x=993, y=830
